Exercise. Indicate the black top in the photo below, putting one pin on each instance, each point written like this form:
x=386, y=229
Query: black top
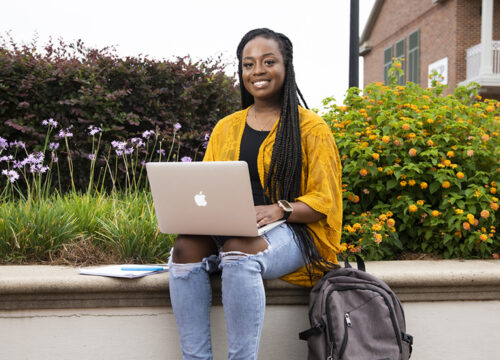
x=249, y=150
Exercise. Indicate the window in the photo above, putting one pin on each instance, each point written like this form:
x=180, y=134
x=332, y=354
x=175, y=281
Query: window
x=400, y=55
x=414, y=57
x=387, y=63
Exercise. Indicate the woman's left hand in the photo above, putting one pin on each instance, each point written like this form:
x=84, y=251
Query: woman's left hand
x=267, y=214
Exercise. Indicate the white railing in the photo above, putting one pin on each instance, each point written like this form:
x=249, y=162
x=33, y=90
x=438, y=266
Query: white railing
x=474, y=59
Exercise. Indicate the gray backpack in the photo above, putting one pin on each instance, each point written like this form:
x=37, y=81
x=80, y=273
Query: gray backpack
x=355, y=316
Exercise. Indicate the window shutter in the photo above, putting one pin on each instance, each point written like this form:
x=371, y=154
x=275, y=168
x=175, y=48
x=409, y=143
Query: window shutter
x=400, y=55
x=414, y=57
x=387, y=63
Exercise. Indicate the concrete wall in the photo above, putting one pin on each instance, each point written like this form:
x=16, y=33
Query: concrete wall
x=451, y=310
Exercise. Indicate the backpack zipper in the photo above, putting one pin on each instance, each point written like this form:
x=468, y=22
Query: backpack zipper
x=347, y=325
x=331, y=335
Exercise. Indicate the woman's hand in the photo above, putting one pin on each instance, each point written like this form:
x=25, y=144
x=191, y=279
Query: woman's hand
x=267, y=214
x=302, y=213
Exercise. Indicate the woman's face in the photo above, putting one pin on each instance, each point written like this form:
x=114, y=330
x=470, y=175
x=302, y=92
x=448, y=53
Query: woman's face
x=263, y=69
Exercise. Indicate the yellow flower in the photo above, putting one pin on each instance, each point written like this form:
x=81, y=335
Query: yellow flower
x=447, y=162
x=430, y=121
x=363, y=172
x=446, y=184
x=459, y=211
x=493, y=190
x=383, y=217
x=402, y=183
x=413, y=208
x=411, y=182
x=430, y=142
x=490, y=108
x=460, y=175
x=386, y=139
x=380, y=169
x=389, y=213
x=435, y=213
x=423, y=185
x=375, y=156
x=378, y=238
x=376, y=227
x=405, y=126
x=391, y=222
x=389, y=172
x=483, y=237
x=450, y=154
x=470, y=218
x=420, y=202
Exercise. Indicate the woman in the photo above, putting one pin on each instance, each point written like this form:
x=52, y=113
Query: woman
x=295, y=173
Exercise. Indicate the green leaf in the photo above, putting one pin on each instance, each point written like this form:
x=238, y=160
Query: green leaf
x=434, y=187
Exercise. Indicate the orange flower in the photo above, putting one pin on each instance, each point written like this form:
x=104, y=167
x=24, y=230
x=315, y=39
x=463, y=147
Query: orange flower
x=483, y=237
x=363, y=172
x=493, y=190
x=375, y=156
x=391, y=222
x=430, y=142
x=397, y=142
x=402, y=183
x=460, y=175
x=424, y=185
x=405, y=126
x=466, y=225
x=485, y=137
x=470, y=153
x=377, y=238
x=485, y=214
x=412, y=152
x=446, y=184
x=411, y=182
x=495, y=255
x=356, y=199
x=494, y=206
x=435, y=213
x=413, y=208
x=386, y=139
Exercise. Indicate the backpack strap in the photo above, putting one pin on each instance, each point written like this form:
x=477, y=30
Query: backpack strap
x=359, y=261
x=315, y=330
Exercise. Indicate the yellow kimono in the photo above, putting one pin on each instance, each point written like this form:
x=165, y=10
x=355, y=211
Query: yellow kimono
x=321, y=186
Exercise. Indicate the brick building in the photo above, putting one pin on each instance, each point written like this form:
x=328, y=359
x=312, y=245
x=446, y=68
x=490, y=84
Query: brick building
x=458, y=38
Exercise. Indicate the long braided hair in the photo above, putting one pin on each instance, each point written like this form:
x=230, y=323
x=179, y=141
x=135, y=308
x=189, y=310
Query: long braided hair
x=283, y=179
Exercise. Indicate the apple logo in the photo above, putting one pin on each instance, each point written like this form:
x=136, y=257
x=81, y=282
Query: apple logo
x=200, y=200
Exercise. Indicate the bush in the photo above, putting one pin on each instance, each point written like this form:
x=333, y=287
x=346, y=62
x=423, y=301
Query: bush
x=78, y=86
x=420, y=170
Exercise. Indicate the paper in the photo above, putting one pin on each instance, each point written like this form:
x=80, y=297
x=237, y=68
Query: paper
x=116, y=270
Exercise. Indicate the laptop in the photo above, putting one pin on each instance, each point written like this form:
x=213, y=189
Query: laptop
x=204, y=198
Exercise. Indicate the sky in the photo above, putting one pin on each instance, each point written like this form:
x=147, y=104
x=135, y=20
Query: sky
x=318, y=29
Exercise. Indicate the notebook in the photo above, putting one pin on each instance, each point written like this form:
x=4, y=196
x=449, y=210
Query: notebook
x=204, y=198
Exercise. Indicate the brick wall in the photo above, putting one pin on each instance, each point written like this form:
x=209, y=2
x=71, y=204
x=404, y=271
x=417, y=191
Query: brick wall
x=447, y=29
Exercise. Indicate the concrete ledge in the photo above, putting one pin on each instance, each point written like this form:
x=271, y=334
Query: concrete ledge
x=52, y=287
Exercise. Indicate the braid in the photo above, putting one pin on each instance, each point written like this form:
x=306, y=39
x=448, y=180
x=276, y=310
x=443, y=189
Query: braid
x=283, y=179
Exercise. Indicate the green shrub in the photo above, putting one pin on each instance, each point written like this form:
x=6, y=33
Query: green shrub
x=77, y=86
x=420, y=171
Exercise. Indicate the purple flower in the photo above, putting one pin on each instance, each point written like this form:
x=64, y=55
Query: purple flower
x=143, y=163
x=161, y=152
x=18, y=164
x=38, y=169
x=53, y=146
x=186, y=159
x=119, y=152
x=3, y=143
x=119, y=145
x=137, y=142
x=33, y=159
x=91, y=157
x=7, y=158
x=54, y=158
x=50, y=122
x=12, y=175
x=177, y=126
x=146, y=134
x=65, y=133
x=94, y=130
x=129, y=151
x=17, y=144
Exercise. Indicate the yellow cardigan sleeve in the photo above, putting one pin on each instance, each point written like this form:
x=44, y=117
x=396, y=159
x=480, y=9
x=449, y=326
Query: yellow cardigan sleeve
x=322, y=172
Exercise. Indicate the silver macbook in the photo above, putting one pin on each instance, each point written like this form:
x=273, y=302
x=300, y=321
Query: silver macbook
x=204, y=198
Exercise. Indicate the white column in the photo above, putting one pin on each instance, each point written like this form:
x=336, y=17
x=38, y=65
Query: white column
x=486, y=66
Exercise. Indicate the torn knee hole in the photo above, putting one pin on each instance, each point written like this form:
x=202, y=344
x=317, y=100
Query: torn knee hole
x=183, y=270
x=232, y=256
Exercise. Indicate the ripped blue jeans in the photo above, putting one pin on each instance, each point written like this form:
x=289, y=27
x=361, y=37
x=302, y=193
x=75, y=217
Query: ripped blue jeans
x=243, y=295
